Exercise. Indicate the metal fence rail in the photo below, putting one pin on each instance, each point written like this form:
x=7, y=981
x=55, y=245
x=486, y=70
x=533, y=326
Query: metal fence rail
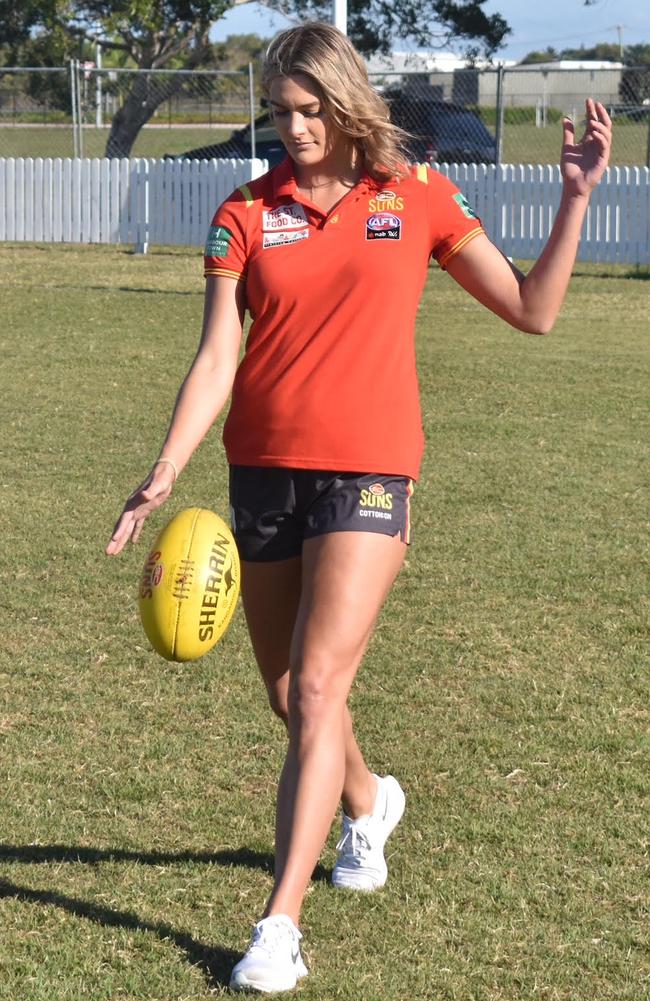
x=70, y=110
x=172, y=202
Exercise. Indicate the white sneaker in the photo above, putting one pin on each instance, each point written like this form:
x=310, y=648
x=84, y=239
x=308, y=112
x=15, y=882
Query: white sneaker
x=360, y=864
x=273, y=961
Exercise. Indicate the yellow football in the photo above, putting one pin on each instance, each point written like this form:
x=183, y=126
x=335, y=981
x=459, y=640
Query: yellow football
x=189, y=585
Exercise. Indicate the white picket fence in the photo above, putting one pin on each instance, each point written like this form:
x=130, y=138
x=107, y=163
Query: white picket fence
x=146, y=202
x=133, y=201
x=517, y=204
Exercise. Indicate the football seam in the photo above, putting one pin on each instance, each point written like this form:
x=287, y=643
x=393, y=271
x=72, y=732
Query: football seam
x=179, y=604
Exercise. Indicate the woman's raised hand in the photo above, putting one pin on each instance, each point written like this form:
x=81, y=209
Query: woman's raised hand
x=151, y=493
x=583, y=163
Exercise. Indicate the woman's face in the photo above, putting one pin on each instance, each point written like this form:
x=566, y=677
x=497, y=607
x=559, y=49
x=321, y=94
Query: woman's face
x=310, y=137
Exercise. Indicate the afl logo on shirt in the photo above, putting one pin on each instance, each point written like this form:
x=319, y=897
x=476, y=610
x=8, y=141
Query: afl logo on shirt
x=383, y=226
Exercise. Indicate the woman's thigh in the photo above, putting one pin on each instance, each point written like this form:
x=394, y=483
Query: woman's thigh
x=271, y=595
x=346, y=577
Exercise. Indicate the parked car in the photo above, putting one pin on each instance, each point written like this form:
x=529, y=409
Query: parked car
x=441, y=131
x=267, y=144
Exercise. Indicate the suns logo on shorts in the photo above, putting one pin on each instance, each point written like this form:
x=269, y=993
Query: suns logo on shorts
x=376, y=497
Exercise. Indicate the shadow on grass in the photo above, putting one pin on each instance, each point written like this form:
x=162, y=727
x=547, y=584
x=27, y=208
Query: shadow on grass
x=214, y=961
x=69, y=286
x=641, y=274
x=43, y=854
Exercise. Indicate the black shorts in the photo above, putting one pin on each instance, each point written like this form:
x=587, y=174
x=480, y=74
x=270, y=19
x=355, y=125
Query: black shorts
x=274, y=510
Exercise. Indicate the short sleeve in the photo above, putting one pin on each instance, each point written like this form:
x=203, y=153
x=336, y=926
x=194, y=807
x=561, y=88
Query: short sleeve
x=453, y=220
x=225, y=245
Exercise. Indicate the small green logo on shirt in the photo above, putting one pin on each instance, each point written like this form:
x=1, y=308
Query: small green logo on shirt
x=465, y=206
x=218, y=241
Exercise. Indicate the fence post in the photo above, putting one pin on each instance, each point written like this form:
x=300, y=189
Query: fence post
x=251, y=98
x=142, y=246
x=499, y=125
x=73, y=106
x=99, y=118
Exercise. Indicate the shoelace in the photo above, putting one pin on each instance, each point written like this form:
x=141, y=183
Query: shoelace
x=269, y=937
x=354, y=844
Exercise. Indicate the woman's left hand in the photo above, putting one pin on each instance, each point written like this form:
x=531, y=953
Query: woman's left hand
x=583, y=163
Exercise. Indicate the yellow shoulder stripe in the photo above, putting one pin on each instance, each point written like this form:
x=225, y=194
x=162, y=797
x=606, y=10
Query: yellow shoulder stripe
x=444, y=260
x=246, y=192
x=422, y=173
x=224, y=273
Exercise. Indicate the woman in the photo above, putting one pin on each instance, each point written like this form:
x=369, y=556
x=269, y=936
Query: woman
x=329, y=252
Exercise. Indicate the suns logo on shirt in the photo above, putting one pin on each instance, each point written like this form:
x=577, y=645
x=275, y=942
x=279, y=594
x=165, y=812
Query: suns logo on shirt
x=386, y=201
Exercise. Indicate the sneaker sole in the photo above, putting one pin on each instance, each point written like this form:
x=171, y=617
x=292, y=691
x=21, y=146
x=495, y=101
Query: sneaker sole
x=240, y=982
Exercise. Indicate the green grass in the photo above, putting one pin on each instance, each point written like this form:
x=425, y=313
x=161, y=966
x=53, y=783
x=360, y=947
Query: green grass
x=526, y=143
x=506, y=684
x=50, y=142
x=522, y=143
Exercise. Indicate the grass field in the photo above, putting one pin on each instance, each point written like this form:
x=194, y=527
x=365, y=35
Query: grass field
x=522, y=143
x=154, y=143
x=506, y=686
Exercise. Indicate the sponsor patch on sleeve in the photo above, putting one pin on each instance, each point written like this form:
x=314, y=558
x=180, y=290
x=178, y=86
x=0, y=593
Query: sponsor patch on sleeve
x=218, y=241
x=465, y=206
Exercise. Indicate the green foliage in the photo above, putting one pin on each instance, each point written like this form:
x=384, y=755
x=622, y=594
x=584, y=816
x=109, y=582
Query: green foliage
x=605, y=51
x=237, y=51
x=373, y=24
x=633, y=55
x=637, y=55
x=549, y=55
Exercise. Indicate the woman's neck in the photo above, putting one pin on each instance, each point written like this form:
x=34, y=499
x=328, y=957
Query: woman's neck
x=324, y=186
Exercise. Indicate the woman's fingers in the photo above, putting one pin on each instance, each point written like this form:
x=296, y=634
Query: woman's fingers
x=151, y=493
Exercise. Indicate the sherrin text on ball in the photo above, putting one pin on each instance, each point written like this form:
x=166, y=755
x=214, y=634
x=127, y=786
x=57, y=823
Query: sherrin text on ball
x=189, y=585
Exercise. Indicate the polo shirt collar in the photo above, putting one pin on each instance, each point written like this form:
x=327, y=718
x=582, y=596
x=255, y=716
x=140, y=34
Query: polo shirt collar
x=284, y=181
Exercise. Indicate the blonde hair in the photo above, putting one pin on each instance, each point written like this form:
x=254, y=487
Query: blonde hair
x=325, y=55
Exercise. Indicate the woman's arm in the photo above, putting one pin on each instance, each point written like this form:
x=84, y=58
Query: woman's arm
x=532, y=302
x=200, y=400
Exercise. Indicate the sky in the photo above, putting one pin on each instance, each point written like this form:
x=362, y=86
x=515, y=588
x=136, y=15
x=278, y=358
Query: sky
x=559, y=23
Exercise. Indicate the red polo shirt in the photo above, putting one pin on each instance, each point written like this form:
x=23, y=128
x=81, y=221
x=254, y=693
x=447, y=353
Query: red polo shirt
x=328, y=379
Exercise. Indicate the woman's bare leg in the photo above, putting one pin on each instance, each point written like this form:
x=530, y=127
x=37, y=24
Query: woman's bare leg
x=271, y=595
x=345, y=579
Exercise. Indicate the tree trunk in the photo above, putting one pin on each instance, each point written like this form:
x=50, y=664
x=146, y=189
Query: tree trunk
x=147, y=92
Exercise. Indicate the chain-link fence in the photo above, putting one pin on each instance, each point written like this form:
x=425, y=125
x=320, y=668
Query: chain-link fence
x=513, y=114
x=81, y=110
x=500, y=115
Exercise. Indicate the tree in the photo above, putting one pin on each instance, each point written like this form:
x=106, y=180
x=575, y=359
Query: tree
x=374, y=24
x=548, y=55
x=602, y=51
x=156, y=34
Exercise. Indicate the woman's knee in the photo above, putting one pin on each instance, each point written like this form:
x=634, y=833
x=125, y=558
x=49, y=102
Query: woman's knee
x=315, y=695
